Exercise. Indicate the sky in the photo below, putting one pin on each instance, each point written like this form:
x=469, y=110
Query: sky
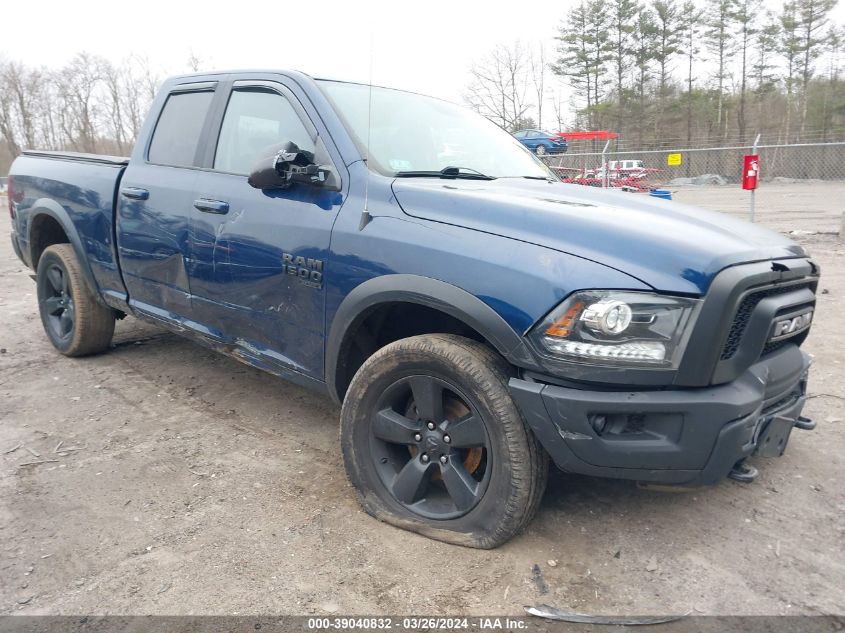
x=426, y=47
x=422, y=46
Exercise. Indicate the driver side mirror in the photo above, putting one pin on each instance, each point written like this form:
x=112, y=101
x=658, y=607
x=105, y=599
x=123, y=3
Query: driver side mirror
x=285, y=165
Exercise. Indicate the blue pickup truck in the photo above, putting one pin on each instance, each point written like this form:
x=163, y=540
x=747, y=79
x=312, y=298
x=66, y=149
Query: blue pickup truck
x=473, y=315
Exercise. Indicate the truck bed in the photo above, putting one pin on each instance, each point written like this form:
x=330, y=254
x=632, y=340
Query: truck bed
x=75, y=193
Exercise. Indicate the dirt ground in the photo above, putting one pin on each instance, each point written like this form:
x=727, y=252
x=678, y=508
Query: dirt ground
x=187, y=483
x=808, y=206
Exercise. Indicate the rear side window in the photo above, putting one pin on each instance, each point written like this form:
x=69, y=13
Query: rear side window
x=254, y=121
x=179, y=127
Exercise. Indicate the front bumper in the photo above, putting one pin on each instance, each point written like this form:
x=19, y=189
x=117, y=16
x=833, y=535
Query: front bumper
x=681, y=436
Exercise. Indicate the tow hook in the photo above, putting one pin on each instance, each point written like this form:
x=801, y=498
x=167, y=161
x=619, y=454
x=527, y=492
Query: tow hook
x=805, y=424
x=743, y=472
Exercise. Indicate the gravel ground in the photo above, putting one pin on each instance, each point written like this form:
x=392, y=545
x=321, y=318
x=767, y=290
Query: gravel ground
x=187, y=483
x=814, y=206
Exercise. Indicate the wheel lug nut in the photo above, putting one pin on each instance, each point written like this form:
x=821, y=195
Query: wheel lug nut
x=417, y=437
x=431, y=426
x=443, y=459
x=447, y=439
x=424, y=458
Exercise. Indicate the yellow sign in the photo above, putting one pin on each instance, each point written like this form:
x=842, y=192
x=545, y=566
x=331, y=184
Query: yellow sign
x=673, y=160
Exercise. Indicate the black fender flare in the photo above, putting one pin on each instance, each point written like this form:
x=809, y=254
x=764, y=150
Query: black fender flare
x=53, y=209
x=429, y=292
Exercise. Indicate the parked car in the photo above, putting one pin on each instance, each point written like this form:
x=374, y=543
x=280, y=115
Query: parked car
x=542, y=143
x=625, y=165
x=473, y=319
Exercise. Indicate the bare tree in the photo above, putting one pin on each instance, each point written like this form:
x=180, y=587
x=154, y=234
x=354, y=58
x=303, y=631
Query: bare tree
x=558, y=108
x=80, y=83
x=49, y=114
x=24, y=84
x=8, y=116
x=194, y=62
x=114, y=83
x=140, y=87
x=537, y=62
x=500, y=85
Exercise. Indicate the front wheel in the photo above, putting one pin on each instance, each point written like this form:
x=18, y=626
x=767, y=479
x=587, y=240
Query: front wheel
x=74, y=321
x=433, y=442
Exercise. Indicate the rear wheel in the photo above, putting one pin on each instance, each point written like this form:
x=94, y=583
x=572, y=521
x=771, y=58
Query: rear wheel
x=541, y=150
x=434, y=443
x=74, y=321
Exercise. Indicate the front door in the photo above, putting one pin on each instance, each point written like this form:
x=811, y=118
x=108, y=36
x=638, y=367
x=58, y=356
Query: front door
x=259, y=257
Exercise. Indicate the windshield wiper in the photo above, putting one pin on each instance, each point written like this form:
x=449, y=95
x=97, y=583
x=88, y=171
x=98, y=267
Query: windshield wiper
x=447, y=172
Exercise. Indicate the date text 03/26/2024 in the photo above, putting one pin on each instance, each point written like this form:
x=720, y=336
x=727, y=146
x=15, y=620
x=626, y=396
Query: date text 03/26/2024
x=416, y=623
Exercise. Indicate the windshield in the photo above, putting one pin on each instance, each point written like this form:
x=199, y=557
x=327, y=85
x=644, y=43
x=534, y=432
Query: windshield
x=414, y=133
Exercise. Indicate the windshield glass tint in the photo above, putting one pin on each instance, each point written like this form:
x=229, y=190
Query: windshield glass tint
x=410, y=132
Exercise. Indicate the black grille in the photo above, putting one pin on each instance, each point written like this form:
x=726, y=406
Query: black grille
x=775, y=345
x=743, y=315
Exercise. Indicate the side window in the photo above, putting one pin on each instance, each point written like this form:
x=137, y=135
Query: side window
x=177, y=132
x=255, y=120
x=520, y=134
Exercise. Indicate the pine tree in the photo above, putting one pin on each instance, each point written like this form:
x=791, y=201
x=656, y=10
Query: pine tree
x=645, y=45
x=621, y=14
x=574, y=60
x=669, y=23
x=790, y=49
x=583, y=53
x=719, y=39
x=745, y=17
x=813, y=18
x=690, y=30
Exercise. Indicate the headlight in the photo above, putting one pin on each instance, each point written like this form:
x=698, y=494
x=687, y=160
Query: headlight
x=615, y=327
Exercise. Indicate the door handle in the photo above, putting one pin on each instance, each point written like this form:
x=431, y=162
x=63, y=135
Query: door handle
x=212, y=206
x=134, y=193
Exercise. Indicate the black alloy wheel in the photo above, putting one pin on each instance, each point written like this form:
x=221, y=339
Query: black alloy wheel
x=430, y=447
x=75, y=321
x=57, y=299
x=434, y=443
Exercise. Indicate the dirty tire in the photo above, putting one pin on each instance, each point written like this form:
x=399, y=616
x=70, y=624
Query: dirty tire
x=75, y=323
x=509, y=485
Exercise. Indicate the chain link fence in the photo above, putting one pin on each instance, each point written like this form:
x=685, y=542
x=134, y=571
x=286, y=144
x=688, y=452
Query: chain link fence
x=651, y=169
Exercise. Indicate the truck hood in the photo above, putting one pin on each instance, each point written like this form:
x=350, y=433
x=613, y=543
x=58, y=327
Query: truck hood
x=670, y=246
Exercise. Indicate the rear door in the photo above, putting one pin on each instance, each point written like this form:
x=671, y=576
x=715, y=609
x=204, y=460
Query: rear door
x=259, y=257
x=155, y=203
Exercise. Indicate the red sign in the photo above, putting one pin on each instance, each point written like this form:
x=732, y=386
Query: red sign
x=750, y=171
